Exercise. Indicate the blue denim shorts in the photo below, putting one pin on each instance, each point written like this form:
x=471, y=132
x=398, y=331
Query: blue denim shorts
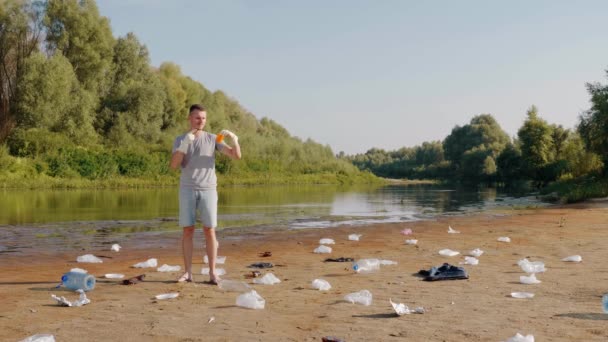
x=203, y=201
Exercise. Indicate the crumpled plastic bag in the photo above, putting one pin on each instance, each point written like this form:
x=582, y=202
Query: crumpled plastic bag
x=114, y=275
x=251, y=300
x=267, y=279
x=406, y=231
x=167, y=268
x=448, y=252
x=531, y=267
x=218, y=271
x=476, y=253
x=115, y=247
x=148, y=263
x=470, y=261
x=321, y=285
x=522, y=295
x=521, y=338
x=411, y=242
x=362, y=297
x=82, y=300
x=167, y=296
x=39, y=338
x=218, y=259
x=531, y=279
x=327, y=242
x=89, y=258
x=573, y=258
x=322, y=249
x=78, y=270
x=402, y=309
x=452, y=230
x=504, y=239
x=354, y=237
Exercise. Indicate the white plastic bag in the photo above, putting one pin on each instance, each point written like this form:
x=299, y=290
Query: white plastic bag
x=521, y=338
x=531, y=267
x=250, y=300
x=452, y=230
x=529, y=280
x=362, y=297
x=321, y=285
x=167, y=268
x=218, y=271
x=354, y=237
x=522, y=295
x=78, y=270
x=148, y=263
x=573, y=258
x=114, y=276
x=504, y=239
x=116, y=247
x=267, y=279
x=89, y=258
x=39, y=338
x=218, y=260
x=327, y=242
x=411, y=242
x=82, y=300
x=402, y=309
x=470, y=261
x=476, y=253
x=322, y=249
x=167, y=296
x=448, y=252
x=233, y=286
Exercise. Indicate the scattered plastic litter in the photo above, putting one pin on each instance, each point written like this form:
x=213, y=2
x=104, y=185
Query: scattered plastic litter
x=573, y=258
x=78, y=270
x=448, y=252
x=218, y=271
x=327, y=242
x=116, y=247
x=476, y=253
x=531, y=279
x=531, y=267
x=82, y=300
x=134, y=280
x=411, y=242
x=322, y=249
x=211, y=319
x=402, y=309
x=250, y=300
x=366, y=265
x=444, y=272
x=321, y=285
x=470, y=261
x=148, y=263
x=354, y=237
x=362, y=297
x=521, y=338
x=406, y=231
x=167, y=268
x=452, y=230
x=233, y=286
x=504, y=239
x=114, y=276
x=267, y=279
x=89, y=258
x=167, y=296
x=39, y=338
x=78, y=280
x=522, y=295
x=218, y=259
x=388, y=262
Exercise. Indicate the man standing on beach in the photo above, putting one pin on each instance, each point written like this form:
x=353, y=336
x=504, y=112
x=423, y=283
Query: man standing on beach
x=194, y=152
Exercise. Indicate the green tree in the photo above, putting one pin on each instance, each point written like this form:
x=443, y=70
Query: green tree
x=77, y=30
x=593, y=127
x=536, y=143
x=509, y=164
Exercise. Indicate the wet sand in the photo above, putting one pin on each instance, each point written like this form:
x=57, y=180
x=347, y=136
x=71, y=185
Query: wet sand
x=566, y=306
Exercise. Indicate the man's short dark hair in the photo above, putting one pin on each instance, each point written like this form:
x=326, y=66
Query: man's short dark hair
x=196, y=107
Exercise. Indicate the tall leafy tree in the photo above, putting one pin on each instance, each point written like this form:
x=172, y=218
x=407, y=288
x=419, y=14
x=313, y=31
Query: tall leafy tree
x=536, y=143
x=593, y=127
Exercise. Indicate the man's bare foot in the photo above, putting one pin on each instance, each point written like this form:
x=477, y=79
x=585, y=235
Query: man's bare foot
x=186, y=277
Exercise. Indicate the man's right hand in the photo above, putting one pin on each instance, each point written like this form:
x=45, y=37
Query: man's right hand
x=186, y=141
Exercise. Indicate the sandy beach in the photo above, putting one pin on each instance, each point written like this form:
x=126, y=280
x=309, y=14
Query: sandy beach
x=566, y=306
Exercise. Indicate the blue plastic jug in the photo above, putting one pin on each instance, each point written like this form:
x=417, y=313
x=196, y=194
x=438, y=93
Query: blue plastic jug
x=77, y=280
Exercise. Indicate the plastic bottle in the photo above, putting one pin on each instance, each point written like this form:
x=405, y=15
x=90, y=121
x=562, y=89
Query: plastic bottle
x=366, y=265
x=77, y=280
x=605, y=303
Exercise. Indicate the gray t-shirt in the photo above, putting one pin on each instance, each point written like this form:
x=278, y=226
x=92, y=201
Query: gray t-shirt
x=198, y=166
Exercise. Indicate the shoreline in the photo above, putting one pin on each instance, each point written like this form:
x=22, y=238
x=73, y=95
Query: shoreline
x=567, y=305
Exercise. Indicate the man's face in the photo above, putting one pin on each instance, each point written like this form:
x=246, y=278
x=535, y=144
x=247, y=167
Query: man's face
x=198, y=119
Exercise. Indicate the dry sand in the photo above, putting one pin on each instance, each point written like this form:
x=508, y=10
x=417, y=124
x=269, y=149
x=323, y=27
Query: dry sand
x=567, y=305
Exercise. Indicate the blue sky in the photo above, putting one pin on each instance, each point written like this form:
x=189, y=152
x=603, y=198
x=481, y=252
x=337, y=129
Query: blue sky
x=386, y=74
